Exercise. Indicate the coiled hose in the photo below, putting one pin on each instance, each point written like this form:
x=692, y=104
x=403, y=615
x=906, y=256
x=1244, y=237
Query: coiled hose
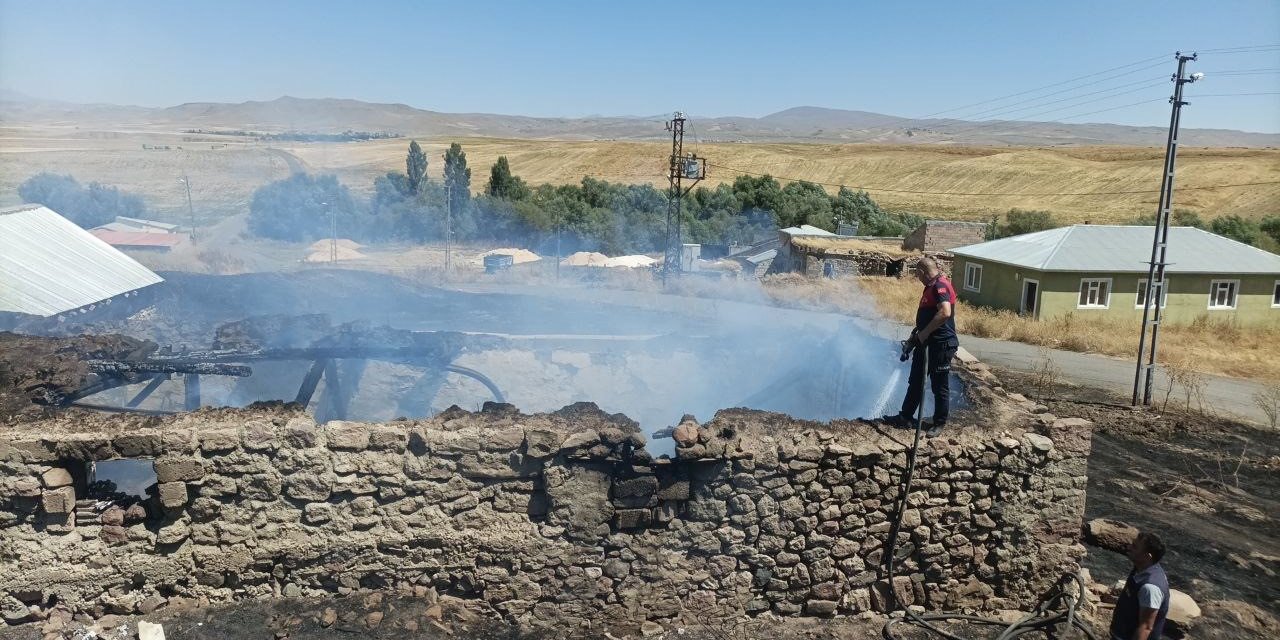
x=1056, y=607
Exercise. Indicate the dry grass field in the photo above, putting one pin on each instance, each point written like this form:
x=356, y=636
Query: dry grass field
x=1208, y=347
x=225, y=170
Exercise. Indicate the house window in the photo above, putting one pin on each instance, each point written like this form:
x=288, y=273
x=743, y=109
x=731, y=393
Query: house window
x=1275, y=296
x=1222, y=294
x=1162, y=293
x=1095, y=293
x=972, y=276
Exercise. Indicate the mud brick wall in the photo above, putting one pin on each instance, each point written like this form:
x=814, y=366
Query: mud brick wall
x=550, y=520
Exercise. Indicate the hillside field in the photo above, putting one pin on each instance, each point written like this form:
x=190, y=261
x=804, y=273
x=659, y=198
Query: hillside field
x=225, y=170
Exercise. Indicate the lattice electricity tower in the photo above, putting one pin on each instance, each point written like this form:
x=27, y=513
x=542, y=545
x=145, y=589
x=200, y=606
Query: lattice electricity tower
x=683, y=167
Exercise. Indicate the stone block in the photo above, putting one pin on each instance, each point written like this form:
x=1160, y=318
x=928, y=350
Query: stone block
x=388, y=437
x=179, y=469
x=580, y=439
x=313, y=487
x=55, y=477
x=114, y=515
x=541, y=443
x=58, y=501
x=173, y=533
x=132, y=445
x=83, y=446
x=820, y=608
x=633, y=518
x=347, y=436
x=503, y=440
x=259, y=435
x=301, y=433
x=26, y=487
x=173, y=495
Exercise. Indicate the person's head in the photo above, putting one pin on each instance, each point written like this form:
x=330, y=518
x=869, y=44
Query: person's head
x=926, y=269
x=1146, y=549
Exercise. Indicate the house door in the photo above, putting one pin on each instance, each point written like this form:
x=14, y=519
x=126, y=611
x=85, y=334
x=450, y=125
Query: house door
x=1030, y=297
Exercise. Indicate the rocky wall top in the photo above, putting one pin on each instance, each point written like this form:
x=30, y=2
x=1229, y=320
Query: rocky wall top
x=549, y=520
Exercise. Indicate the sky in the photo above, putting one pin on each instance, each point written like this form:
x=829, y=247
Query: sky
x=708, y=58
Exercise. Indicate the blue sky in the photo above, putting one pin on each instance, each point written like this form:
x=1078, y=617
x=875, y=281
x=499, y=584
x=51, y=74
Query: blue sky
x=552, y=58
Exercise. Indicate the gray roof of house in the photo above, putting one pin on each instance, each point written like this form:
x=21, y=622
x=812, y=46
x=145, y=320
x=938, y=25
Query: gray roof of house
x=49, y=265
x=1115, y=248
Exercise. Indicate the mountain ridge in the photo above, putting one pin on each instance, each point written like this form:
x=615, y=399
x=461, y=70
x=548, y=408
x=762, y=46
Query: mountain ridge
x=805, y=123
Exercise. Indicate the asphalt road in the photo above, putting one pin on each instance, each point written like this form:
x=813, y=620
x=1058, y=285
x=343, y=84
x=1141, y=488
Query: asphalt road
x=1233, y=397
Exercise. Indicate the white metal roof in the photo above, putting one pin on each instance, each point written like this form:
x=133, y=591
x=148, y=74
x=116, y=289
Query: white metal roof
x=49, y=265
x=1121, y=249
x=806, y=230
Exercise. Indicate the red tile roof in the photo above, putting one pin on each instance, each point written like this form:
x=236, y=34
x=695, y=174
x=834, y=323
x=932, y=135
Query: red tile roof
x=138, y=239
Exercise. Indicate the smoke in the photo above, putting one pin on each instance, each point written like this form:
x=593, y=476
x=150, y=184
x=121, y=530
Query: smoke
x=653, y=356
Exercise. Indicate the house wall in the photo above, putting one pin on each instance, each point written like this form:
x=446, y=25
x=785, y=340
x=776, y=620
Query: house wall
x=1188, y=294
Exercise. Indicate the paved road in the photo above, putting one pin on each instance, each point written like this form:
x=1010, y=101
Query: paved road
x=1223, y=395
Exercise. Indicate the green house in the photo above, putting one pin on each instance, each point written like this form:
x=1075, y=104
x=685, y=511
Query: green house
x=1100, y=271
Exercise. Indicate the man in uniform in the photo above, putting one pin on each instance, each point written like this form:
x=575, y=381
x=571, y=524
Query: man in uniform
x=1144, y=603
x=933, y=343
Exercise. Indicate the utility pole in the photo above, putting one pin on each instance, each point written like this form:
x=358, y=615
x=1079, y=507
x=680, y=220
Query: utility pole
x=190, y=209
x=1160, y=241
x=682, y=167
x=333, y=234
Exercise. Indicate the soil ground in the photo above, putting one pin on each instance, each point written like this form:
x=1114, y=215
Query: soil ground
x=1209, y=486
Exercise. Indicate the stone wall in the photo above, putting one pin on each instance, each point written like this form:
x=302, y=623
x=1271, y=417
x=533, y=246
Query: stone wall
x=552, y=520
x=944, y=235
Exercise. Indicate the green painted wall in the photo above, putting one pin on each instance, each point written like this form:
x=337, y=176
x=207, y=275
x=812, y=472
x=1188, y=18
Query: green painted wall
x=1060, y=292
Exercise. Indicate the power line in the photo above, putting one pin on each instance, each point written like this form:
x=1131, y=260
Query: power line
x=960, y=193
x=1223, y=95
x=986, y=115
x=987, y=112
x=1047, y=86
x=996, y=123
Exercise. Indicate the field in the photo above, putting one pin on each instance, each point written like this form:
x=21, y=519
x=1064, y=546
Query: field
x=225, y=170
x=1207, y=347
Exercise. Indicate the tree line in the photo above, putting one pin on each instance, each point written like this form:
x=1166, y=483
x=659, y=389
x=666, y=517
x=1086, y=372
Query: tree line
x=1264, y=233
x=594, y=214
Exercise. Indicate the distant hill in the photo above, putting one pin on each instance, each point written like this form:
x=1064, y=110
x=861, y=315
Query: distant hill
x=799, y=124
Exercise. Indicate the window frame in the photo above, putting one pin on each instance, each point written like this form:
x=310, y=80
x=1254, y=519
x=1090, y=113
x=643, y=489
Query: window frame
x=1138, y=302
x=1022, y=299
x=1106, y=305
x=972, y=267
x=1235, y=294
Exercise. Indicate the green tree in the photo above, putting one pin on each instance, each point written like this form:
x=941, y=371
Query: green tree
x=502, y=184
x=415, y=166
x=299, y=208
x=804, y=202
x=1179, y=218
x=1270, y=225
x=457, y=178
x=1236, y=228
x=1020, y=221
x=87, y=206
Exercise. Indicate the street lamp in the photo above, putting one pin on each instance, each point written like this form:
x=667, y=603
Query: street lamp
x=190, y=209
x=333, y=234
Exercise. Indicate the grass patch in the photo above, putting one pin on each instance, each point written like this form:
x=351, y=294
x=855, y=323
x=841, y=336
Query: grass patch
x=1205, y=345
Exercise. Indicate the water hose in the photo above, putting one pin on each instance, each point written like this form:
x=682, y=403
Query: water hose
x=1056, y=607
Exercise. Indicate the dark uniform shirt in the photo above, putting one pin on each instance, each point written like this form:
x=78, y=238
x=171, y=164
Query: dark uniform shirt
x=939, y=290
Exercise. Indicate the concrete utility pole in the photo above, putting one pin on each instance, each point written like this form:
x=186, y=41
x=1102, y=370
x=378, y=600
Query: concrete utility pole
x=1155, y=292
x=190, y=209
x=682, y=167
